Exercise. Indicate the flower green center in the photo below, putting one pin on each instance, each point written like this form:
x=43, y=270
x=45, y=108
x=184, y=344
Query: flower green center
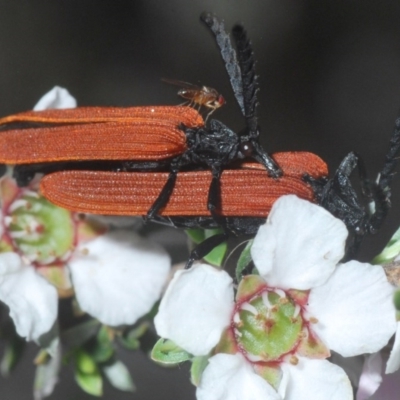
x=41, y=231
x=268, y=326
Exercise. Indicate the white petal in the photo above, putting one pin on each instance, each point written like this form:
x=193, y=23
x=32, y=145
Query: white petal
x=31, y=299
x=120, y=278
x=317, y=380
x=300, y=244
x=57, y=97
x=371, y=377
x=196, y=308
x=355, y=309
x=9, y=262
x=230, y=377
x=393, y=363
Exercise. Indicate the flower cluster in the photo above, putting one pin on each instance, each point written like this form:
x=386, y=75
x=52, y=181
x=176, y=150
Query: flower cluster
x=272, y=339
x=47, y=251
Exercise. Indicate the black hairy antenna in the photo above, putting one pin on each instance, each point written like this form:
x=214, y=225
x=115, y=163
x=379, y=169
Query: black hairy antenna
x=228, y=54
x=249, y=78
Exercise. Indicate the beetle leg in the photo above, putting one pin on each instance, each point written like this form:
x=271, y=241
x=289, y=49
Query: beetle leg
x=214, y=198
x=166, y=191
x=265, y=159
x=205, y=247
x=164, y=196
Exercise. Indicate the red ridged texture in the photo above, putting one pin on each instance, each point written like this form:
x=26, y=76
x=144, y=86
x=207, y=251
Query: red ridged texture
x=247, y=191
x=96, y=133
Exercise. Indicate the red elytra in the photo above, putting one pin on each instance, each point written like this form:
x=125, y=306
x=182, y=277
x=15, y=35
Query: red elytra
x=246, y=191
x=97, y=133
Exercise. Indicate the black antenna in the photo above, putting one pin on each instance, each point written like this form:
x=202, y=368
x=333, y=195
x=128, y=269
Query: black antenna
x=387, y=173
x=381, y=190
x=228, y=54
x=241, y=71
x=249, y=78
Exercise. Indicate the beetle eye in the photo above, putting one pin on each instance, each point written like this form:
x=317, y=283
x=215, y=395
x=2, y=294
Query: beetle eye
x=246, y=149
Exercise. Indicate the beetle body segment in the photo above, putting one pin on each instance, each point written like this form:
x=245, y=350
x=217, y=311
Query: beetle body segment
x=91, y=115
x=246, y=192
x=97, y=133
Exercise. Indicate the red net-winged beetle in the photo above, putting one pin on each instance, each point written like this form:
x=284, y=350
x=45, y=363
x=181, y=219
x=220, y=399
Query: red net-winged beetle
x=163, y=162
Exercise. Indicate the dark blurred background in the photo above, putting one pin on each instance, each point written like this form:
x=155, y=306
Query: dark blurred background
x=329, y=77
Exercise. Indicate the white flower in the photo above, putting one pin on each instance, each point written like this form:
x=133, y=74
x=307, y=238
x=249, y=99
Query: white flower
x=117, y=275
x=284, y=321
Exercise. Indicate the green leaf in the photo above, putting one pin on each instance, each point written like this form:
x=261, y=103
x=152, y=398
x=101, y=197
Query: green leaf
x=103, y=335
x=199, y=364
x=102, y=349
x=217, y=254
x=396, y=300
x=391, y=250
x=87, y=374
x=119, y=376
x=244, y=260
x=129, y=343
x=90, y=383
x=196, y=235
x=79, y=334
x=166, y=352
x=138, y=331
x=130, y=339
x=101, y=353
x=153, y=312
x=84, y=362
x=12, y=354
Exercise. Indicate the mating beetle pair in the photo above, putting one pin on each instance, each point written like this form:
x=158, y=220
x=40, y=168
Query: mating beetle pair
x=155, y=161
